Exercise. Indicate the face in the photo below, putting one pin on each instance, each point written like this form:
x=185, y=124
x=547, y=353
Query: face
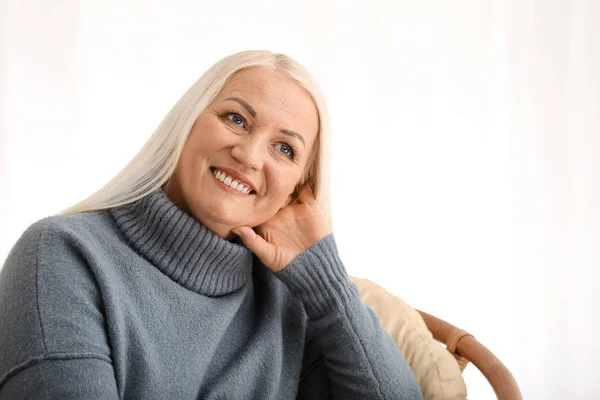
x=260, y=130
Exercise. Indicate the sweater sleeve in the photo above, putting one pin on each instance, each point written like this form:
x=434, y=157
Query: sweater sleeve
x=53, y=342
x=361, y=359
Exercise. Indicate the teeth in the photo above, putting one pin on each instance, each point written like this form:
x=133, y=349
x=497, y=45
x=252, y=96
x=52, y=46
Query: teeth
x=229, y=181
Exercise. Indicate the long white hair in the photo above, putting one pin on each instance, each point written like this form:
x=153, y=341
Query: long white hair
x=155, y=163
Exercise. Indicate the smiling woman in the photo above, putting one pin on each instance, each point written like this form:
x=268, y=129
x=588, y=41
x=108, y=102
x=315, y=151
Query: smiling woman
x=156, y=164
x=248, y=132
x=207, y=268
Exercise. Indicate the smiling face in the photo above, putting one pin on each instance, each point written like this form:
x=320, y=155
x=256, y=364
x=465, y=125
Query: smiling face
x=260, y=129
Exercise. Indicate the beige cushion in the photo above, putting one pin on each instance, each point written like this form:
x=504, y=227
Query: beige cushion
x=435, y=368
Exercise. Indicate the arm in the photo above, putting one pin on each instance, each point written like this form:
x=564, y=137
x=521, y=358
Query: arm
x=361, y=359
x=53, y=343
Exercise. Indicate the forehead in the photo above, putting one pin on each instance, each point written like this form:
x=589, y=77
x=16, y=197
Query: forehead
x=265, y=82
x=274, y=96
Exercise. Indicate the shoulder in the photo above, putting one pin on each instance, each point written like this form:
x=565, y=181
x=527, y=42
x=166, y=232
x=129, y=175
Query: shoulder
x=57, y=244
x=64, y=230
x=52, y=261
x=75, y=226
x=50, y=302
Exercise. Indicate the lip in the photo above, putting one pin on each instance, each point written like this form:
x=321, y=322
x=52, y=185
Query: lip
x=238, y=176
x=230, y=190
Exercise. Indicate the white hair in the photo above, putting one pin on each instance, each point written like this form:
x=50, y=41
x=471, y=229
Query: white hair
x=156, y=162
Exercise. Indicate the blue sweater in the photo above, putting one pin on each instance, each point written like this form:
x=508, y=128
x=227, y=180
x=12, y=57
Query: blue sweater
x=144, y=302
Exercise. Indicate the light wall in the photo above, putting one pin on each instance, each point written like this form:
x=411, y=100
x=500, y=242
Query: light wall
x=466, y=144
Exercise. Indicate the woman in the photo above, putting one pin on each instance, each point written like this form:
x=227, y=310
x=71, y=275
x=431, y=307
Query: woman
x=206, y=268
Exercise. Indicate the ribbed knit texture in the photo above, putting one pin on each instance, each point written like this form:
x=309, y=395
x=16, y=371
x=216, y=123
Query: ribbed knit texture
x=322, y=289
x=144, y=302
x=183, y=249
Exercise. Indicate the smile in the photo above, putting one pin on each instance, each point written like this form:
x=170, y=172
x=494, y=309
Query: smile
x=230, y=183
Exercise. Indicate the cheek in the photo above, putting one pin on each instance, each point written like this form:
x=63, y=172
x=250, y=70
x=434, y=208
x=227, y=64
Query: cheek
x=285, y=183
x=207, y=133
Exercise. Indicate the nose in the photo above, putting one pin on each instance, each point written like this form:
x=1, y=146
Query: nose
x=248, y=151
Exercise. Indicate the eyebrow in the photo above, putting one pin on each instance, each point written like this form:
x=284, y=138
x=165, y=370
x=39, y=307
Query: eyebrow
x=252, y=112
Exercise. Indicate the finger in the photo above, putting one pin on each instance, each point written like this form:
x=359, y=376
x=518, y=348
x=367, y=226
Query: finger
x=305, y=194
x=254, y=242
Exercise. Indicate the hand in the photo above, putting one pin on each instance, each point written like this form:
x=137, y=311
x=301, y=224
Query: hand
x=292, y=230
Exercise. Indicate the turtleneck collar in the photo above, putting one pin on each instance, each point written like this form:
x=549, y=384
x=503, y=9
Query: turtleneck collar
x=182, y=248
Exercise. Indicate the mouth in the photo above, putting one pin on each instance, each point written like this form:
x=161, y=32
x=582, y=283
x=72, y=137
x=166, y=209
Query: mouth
x=230, y=184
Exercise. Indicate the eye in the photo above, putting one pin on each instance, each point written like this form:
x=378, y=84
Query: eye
x=236, y=119
x=288, y=150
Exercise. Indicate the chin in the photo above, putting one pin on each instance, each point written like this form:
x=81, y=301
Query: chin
x=227, y=216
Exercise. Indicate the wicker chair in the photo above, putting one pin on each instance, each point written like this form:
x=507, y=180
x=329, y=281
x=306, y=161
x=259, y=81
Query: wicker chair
x=466, y=348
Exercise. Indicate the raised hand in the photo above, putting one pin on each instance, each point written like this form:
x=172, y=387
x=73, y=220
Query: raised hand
x=291, y=231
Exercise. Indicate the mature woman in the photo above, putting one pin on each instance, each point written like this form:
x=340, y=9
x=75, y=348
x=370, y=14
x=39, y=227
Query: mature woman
x=206, y=268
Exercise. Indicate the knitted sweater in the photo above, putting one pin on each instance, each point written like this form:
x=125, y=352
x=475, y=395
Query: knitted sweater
x=144, y=302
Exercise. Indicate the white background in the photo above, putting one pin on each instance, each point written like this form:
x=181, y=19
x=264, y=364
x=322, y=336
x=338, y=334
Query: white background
x=466, y=144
